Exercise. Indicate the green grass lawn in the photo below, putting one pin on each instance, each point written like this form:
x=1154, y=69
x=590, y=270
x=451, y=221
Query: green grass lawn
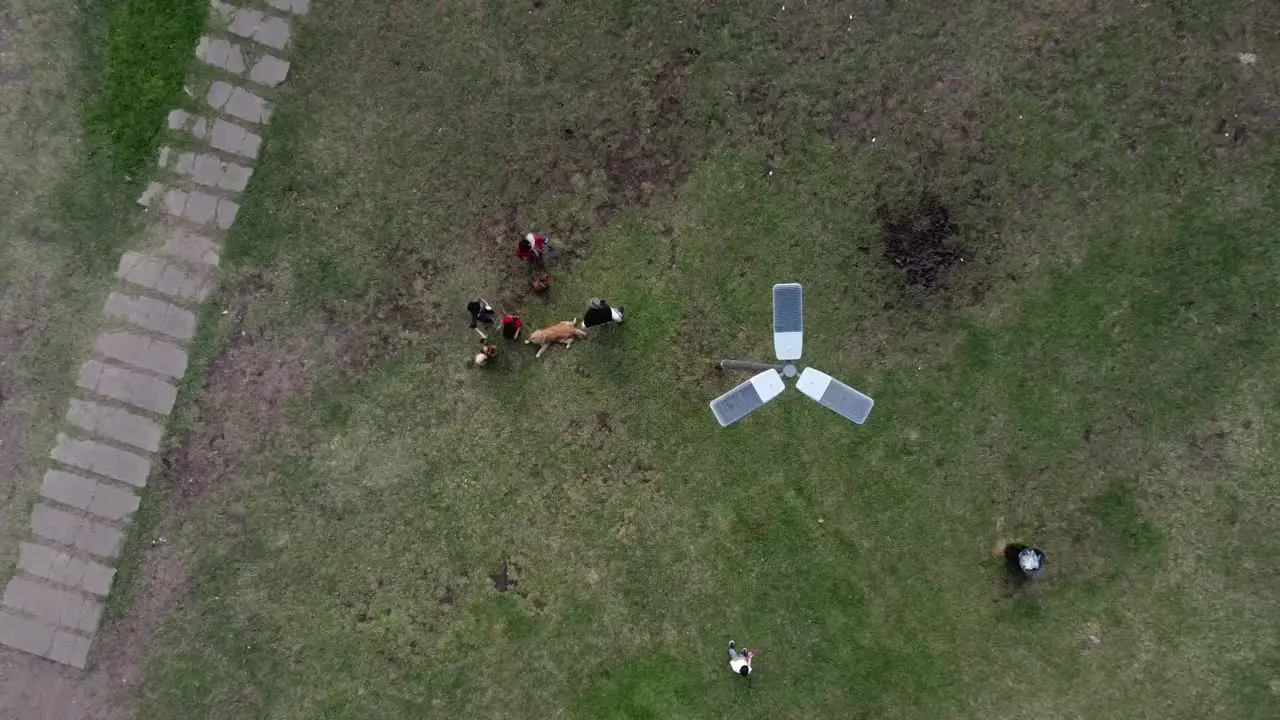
x=1097, y=376
x=84, y=90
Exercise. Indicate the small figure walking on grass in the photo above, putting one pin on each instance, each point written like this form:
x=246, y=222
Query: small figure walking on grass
x=531, y=247
x=599, y=313
x=740, y=662
x=481, y=314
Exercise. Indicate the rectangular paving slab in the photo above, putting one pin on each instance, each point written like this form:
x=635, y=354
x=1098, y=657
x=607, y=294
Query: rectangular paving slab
x=26, y=634
x=227, y=212
x=273, y=32
x=134, y=388
x=59, y=567
x=68, y=488
x=83, y=534
x=266, y=29
x=192, y=248
x=238, y=102
x=229, y=137
x=162, y=276
x=269, y=70
x=116, y=423
x=102, y=459
x=152, y=314
x=65, y=608
x=143, y=352
x=93, y=496
x=69, y=649
x=221, y=53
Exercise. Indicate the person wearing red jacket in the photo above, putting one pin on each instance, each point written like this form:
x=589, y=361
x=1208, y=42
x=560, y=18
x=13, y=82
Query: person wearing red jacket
x=511, y=327
x=531, y=247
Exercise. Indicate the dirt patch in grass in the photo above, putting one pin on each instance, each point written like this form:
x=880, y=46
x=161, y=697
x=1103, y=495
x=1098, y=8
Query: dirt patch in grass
x=1249, y=56
x=648, y=154
x=162, y=588
x=1207, y=452
x=392, y=321
x=624, y=156
x=504, y=579
x=920, y=241
x=247, y=386
x=807, y=31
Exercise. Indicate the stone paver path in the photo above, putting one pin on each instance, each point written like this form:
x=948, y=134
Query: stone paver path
x=102, y=460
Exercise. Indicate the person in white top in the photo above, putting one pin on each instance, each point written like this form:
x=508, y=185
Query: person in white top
x=740, y=662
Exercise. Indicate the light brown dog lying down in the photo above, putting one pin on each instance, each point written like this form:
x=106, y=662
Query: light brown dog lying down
x=562, y=332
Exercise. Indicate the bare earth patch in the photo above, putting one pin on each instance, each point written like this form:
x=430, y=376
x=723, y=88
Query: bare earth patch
x=238, y=413
x=247, y=387
x=36, y=689
x=611, y=162
x=920, y=241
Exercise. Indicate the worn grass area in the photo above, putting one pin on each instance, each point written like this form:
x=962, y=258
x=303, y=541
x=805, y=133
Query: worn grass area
x=69, y=150
x=376, y=530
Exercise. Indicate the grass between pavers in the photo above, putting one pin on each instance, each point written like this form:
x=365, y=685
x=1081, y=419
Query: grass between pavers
x=1097, y=378
x=79, y=84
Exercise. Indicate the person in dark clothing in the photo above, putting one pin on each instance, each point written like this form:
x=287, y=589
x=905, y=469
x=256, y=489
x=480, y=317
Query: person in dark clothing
x=599, y=313
x=1025, y=562
x=511, y=327
x=481, y=314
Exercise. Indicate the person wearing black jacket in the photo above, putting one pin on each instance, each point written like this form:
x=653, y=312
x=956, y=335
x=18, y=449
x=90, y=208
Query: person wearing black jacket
x=481, y=314
x=599, y=313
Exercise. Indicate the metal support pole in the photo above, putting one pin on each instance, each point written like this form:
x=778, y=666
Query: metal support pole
x=747, y=366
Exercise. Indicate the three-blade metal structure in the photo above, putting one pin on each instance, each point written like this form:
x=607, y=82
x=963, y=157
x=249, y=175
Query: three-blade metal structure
x=768, y=383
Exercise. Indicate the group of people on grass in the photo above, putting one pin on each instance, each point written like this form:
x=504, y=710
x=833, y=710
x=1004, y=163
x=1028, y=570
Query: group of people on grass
x=532, y=249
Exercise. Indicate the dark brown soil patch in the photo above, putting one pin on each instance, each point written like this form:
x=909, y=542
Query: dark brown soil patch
x=161, y=587
x=867, y=114
x=920, y=241
x=1207, y=452
x=241, y=409
x=648, y=153
x=248, y=384
x=503, y=579
x=1249, y=70
x=804, y=32
x=630, y=152
x=391, y=319
x=695, y=355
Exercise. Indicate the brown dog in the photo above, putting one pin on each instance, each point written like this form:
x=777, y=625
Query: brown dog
x=562, y=332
